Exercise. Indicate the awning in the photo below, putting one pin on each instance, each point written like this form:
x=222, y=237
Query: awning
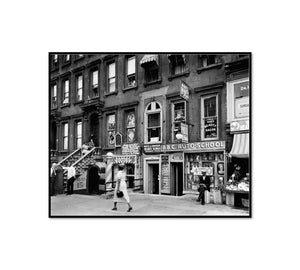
x=240, y=147
x=149, y=58
x=182, y=56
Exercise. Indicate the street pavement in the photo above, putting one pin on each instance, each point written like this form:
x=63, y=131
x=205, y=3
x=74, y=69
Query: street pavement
x=143, y=205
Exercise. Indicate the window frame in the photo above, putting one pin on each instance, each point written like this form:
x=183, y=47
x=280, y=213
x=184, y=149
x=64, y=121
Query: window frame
x=178, y=121
x=146, y=114
x=127, y=76
x=77, y=88
x=111, y=130
x=126, y=128
x=172, y=65
x=64, y=91
x=65, y=136
x=76, y=133
x=108, y=92
x=202, y=118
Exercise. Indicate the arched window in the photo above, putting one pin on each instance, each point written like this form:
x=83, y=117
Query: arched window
x=153, y=123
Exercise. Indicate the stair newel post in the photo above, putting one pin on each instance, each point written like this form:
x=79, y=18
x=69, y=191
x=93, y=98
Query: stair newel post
x=108, y=171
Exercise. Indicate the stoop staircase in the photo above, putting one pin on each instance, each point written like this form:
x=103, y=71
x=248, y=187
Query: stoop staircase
x=80, y=162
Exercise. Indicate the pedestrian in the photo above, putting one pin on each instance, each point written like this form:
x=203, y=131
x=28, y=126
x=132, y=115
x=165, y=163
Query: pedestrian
x=52, y=179
x=121, y=186
x=71, y=173
x=204, y=184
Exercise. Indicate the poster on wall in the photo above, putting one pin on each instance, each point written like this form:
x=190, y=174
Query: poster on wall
x=165, y=174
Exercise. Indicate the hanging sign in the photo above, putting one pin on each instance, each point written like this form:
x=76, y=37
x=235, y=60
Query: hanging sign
x=184, y=91
x=185, y=132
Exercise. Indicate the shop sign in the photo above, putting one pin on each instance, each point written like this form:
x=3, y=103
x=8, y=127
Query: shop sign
x=185, y=147
x=185, y=132
x=131, y=149
x=165, y=174
x=80, y=182
x=242, y=107
x=210, y=127
x=176, y=157
x=124, y=159
x=242, y=125
x=184, y=91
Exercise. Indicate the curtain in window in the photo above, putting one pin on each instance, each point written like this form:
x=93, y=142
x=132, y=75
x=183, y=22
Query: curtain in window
x=131, y=66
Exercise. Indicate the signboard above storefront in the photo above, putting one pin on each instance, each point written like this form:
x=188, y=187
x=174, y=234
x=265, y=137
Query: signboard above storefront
x=131, y=149
x=124, y=159
x=238, y=126
x=185, y=147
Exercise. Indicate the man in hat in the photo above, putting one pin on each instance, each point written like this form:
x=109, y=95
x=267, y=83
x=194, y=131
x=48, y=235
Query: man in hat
x=204, y=184
x=71, y=173
x=52, y=179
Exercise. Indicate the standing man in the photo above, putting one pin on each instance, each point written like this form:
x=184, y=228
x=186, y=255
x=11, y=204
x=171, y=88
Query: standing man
x=71, y=173
x=52, y=179
x=204, y=184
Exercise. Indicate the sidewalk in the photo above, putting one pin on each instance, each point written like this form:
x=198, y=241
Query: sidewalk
x=143, y=205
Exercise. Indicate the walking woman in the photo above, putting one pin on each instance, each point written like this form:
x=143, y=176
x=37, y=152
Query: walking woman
x=121, y=186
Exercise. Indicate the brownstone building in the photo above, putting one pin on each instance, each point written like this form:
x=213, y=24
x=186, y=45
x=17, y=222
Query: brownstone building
x=165, y=116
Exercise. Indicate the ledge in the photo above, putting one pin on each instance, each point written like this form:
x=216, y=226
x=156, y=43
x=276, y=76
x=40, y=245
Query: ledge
x=78, y=59
x=199, y=70
x=111, y=108
x=111, y=94
x=153, y=82
x=78, y=102
x=65, y=106
x=76, y=70
x=131, y=104
x=94, y=63
x=130, y=88
x=186, y=74
x=108, y=148
x=66, y=64
x=209, y=87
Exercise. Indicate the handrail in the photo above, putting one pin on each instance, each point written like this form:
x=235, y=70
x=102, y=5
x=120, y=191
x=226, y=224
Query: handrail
x=77, y=150
x=80, y=159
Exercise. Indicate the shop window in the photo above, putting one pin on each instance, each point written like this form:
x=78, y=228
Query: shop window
x=54, y=96
x=78, y=134
x=66, y=92
x=207, y=60
x=79, y=88
x=153, y=123
x=111, y=69
x=179, y=116
x=209, y=118
x=177, y=64
x=65, y=136
x=130, y=72
x=111, y=129
x=130, y=126
x=241, y=99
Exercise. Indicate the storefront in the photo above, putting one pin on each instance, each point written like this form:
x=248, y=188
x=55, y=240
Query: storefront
x=174, y=169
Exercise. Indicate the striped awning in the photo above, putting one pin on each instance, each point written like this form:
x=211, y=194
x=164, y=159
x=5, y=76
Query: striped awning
x=240, y=147
x=149, y=58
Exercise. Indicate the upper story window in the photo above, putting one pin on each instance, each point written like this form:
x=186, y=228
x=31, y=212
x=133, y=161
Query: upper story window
x=66, y=92
x=111, y=129
x=153, y=123
x=130, y=126
x=54, y=96
x=54, y=61
x=55, y=58
x=208, y=60
x=79, y=88
x=67, y=58
x=209, y=118
x=178, y=116
x=94, y=82
x=65, y=136
x=130, y=72
x=78, y=134
x=177, y=63
x=111, y=69
x=151, y=67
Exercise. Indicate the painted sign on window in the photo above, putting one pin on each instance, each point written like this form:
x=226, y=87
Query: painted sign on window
x=210, y=127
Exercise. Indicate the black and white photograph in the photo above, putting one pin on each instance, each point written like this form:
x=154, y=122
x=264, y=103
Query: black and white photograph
x=150, y=134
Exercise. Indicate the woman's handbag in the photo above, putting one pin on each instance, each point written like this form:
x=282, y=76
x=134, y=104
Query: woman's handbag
x=120, y=194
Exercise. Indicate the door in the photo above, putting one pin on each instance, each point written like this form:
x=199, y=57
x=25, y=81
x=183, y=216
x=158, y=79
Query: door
x=153, y=172
x=93, y=180
x=94, y=129
x=176, y=178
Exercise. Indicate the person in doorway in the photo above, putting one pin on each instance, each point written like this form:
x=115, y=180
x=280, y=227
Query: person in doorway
x=121, y=186
x=204, y=184
x=71, y=173
x=52, y=179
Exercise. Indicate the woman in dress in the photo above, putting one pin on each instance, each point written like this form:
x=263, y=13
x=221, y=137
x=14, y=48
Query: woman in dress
x=121, y=186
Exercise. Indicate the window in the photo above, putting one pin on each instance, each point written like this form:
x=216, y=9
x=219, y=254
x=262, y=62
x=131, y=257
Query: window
x=65, y=136
x=130, y=126
x=153, y=123
x=111, y=129
x=66, y=92
x=54, y=96
x=179, y=116
x=241, y=99
x=78, y=134
x=67, y=58
x=112, y=77
x=130, y=72
x=177, y=64
x=207, y=60
x=151, y=72
x=209, y=117
x=55, y=58
x=79, y=84
x=94, y=82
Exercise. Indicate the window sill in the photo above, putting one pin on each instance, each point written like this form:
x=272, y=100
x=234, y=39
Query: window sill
x=147, y=143
x=78, y=102
x=130, y=88
x=110, y=94
x=186, y=74
x=78, y=59
x=66, y=64
x=199, y=70
x=152, y=82
x=65, y=105
x=108, y=148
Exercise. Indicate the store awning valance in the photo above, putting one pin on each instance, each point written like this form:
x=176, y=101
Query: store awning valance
x=149, y=58
x=177, y=57
x=240, y=147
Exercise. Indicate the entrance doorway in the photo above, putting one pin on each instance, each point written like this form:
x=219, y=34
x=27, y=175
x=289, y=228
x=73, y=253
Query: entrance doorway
x=153, y=172
x=94, y=128
x=176, y=178
x=53, y=137
x=93, y=180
